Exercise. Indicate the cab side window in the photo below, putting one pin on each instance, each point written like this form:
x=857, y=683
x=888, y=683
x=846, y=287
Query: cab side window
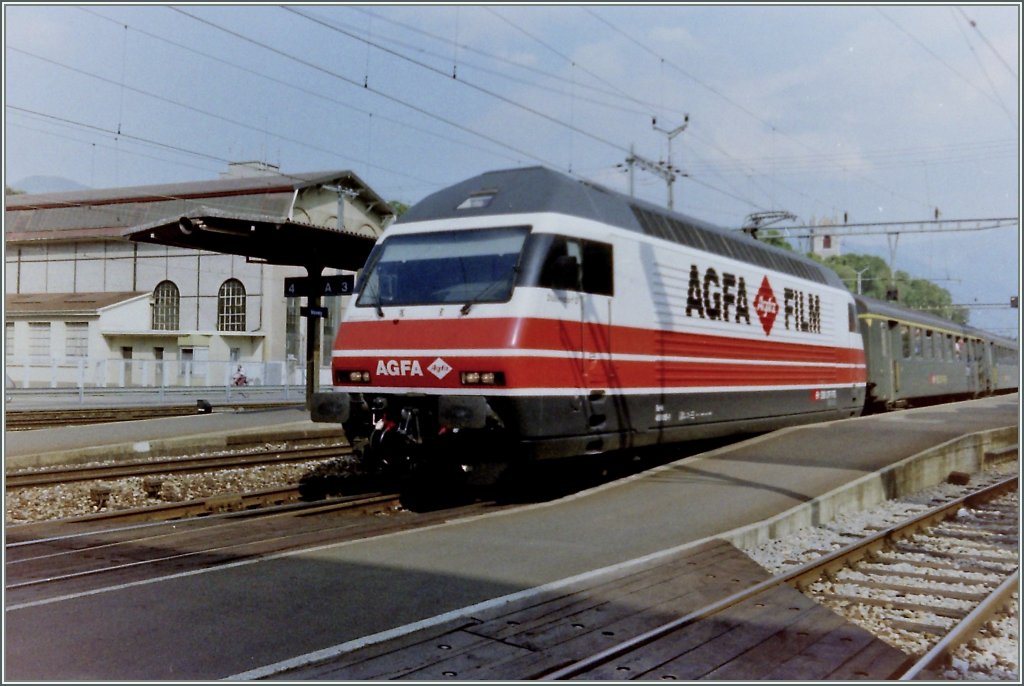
x=597, y=268
x=578, y=265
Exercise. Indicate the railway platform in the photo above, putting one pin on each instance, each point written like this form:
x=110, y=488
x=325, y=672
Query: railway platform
x=276, y=616
x=219, y=429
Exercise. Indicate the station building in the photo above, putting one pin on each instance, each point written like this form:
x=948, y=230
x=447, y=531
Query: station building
x=101, y=291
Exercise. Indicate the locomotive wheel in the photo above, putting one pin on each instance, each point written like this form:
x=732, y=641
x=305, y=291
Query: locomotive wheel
x=430, y=486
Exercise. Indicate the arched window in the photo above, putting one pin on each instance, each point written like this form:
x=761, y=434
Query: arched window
x=231, y=306
x=166, y=306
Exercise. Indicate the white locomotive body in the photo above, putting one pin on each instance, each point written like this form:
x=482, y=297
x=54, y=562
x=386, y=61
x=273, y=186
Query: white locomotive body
x=525, y=315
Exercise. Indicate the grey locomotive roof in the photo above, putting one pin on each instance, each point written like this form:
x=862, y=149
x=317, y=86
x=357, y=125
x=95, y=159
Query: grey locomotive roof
x=537, y=189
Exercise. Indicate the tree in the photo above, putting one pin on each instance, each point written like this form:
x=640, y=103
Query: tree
x=12, y=191
x=399, y=208
x=870, y=272
x=921, y=294
x=773, y=237
x=876, y=279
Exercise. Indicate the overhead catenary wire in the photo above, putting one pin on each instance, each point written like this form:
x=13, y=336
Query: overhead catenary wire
x=300, y=89
x=212, y=115
x=403, y=102
x=977, y=58
x=481, y=89
x=948, y=66
x=643, y=106
x=140, y=139
x=987, y=42
x=368, y=88
x=709, y=168
x=717, y=92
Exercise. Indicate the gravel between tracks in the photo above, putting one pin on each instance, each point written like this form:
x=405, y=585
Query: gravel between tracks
x=992, y=657
x=74, y=499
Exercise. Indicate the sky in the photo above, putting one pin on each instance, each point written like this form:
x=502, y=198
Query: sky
x=868, y=113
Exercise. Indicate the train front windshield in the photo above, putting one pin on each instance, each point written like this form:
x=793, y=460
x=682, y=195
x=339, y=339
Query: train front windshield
x=470, y=266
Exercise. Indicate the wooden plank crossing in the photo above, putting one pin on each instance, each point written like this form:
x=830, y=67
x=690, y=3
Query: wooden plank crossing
x=782, y=635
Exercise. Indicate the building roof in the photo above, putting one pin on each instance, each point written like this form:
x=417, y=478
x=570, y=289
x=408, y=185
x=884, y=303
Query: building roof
x=250, y=216
x=65, y=303
x=104, y=213
x=191, y=190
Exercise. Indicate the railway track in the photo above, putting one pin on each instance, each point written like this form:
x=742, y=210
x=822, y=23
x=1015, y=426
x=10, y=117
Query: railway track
x=49, y=559
x=873, y=572
x=71, y=473
x=710, y=612
x=25, y=420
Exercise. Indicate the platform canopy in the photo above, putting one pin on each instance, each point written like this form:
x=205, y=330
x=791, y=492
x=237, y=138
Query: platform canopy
x=261, y=238
x=322, y=220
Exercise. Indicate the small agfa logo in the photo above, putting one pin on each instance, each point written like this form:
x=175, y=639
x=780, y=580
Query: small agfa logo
x=439, y=368
x=766, y=306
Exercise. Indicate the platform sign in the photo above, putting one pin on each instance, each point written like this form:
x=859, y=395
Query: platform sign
x=299, y=286
x=313, y=311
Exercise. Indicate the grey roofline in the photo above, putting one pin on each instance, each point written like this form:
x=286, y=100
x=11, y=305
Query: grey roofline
x=211, y=188
x=883, y=308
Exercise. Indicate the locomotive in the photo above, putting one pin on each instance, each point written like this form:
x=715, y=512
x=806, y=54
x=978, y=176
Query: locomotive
x=524, y=315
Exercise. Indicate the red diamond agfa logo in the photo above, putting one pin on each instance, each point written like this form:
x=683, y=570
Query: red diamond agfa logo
x=439, y=368
x=766, y=306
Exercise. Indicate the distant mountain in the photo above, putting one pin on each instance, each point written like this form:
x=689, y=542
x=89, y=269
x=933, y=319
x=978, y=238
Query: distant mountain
x=46, y=184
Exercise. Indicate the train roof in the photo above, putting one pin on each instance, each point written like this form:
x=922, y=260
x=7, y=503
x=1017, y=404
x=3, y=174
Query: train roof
x=538, y=189
x=866, y=305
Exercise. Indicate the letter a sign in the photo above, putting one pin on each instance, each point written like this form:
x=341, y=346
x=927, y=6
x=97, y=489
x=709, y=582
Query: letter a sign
x=301, y=286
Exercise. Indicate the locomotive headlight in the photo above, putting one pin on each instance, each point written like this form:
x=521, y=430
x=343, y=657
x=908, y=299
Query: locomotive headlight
x=351, y=376
x=483, y=378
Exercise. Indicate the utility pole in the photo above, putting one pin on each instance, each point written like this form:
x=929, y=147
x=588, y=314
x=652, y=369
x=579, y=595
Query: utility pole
x=860, y=274
x=759, y=220
x=658, y=168
x=671, y=134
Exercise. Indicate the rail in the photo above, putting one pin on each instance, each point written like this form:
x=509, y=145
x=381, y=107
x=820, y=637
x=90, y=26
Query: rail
x=63, y=397
x=66, y=474
x=967, y=628
x=800, y=577
x=41, y=418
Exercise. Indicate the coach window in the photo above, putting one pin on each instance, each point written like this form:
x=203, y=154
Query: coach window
x=905, y=337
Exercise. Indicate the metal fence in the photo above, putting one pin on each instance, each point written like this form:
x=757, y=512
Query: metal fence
x=81, y=380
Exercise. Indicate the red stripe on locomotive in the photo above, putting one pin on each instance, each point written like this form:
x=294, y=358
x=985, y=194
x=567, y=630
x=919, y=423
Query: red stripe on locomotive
x=561, y=335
